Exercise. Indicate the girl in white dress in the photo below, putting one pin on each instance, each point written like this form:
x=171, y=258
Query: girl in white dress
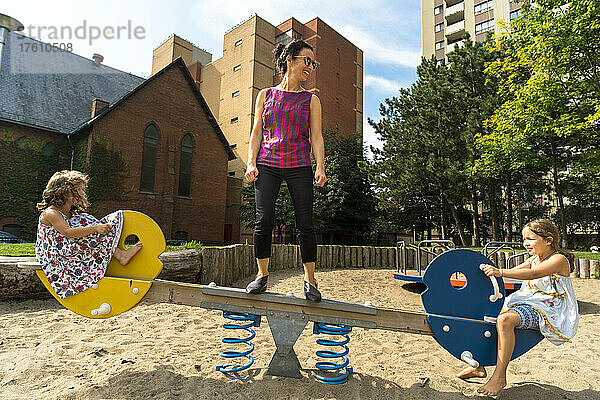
x=546, y=301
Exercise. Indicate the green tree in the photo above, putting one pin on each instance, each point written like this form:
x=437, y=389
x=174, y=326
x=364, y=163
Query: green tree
x=477, y=97
x=424, y=170
x=345, y=207
x=553, y=104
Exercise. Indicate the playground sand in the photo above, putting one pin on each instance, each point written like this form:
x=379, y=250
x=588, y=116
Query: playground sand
x=163, y=351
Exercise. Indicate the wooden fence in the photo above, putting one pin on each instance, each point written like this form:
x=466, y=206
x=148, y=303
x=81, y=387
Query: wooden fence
x=225, y=265
x=229, y=264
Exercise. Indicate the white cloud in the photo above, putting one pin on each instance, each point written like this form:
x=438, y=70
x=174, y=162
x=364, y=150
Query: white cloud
x=380, y=84
x=370, y=138
x=205, y=21
x=376, y=37
x=380, y=50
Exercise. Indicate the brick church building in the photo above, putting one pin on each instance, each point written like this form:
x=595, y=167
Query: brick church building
x=175, y=154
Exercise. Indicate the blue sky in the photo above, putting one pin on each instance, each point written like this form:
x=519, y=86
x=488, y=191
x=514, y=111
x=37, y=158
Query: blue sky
x=389, y=33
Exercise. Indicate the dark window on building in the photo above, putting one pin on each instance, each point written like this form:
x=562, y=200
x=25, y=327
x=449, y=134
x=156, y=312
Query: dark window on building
x=515, y=14
x=439, y=45
x=180, y=235
x=235, y=94
x=149, y=159
x=237, y=67
x=49, y=149
x=185, y=166
x=336, y=127
x=439, y=27
x=238, y=43
x=337, y=100
x=234, y=120
x=437, y=10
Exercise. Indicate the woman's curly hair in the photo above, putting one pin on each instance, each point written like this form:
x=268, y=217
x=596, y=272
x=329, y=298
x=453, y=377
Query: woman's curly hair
x=59, y=186
x=291, y=49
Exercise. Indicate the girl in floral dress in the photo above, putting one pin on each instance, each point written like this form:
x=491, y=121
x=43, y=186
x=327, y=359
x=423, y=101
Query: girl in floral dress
x=546, y=301
x=74, y=248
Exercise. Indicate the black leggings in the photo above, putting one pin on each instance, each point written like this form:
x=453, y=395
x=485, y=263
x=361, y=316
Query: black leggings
x=300, y=184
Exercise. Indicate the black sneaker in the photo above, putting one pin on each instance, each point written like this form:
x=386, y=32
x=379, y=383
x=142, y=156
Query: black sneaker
x=258, y=285
x=311, y=293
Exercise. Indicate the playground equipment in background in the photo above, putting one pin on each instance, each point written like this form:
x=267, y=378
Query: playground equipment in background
x=462, y=320
x=439, y=247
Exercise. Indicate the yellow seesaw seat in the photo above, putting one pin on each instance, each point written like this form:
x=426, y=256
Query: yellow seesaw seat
x=123, y=286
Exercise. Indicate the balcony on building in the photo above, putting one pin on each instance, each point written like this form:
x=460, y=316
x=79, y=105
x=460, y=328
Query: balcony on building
x=455, y=31
x=454, y=12
x=450, y=46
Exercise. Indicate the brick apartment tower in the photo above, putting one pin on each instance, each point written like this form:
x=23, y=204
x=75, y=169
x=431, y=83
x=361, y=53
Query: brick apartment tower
x=231, y=83
x=444, y=22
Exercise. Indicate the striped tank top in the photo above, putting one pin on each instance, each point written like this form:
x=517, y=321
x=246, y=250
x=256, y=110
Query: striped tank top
x=286, y=137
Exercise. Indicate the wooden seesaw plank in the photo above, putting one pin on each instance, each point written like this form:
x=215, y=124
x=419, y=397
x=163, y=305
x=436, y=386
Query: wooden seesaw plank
x=327, y=311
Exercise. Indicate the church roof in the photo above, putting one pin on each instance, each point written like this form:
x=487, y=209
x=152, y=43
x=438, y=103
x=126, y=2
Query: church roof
x=54, y=90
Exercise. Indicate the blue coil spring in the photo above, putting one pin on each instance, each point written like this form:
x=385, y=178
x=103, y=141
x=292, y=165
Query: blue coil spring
x=341, y=367
x=234, y=368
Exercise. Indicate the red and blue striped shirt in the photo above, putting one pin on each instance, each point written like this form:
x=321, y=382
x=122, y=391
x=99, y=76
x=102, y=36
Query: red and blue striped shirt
x=286, y=129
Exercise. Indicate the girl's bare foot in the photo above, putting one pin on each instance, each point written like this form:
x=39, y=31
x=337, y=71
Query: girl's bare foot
x=124, y=256
x=471, y=372
x=493, y=386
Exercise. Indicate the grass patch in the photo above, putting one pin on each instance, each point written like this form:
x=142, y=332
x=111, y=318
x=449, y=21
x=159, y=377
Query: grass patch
x=194, y=244
x=17, y=249
x=28, y=249
x=587, y=255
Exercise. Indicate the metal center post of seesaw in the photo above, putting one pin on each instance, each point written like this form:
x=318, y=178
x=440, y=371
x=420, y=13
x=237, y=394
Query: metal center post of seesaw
x=287, y=316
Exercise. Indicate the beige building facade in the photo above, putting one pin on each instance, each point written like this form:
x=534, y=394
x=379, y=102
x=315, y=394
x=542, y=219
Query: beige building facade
x=231, y=83
x=443, y=22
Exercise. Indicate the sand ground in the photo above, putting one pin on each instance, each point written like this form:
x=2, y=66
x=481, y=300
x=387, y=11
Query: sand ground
x=165, y=351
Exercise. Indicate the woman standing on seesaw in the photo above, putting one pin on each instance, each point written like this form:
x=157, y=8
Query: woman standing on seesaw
x=287, y=126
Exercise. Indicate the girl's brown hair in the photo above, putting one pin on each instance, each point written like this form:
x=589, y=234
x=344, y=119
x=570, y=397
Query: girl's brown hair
x=546, y=229
x=59, y=186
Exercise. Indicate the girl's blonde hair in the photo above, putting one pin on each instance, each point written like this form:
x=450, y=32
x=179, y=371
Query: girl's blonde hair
x=59, y=186
x=546, y=229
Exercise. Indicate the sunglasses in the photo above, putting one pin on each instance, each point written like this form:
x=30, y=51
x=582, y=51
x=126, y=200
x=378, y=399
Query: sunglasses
x=309, y=62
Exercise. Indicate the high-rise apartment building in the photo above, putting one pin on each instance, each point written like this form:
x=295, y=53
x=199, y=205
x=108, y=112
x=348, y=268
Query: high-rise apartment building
x=444, y=22
x=231, y=83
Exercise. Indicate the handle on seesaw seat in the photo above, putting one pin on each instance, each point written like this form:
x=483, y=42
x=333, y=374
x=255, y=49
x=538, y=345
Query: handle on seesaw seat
x=497, y=295
x=104, y=308
x=467, y=357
